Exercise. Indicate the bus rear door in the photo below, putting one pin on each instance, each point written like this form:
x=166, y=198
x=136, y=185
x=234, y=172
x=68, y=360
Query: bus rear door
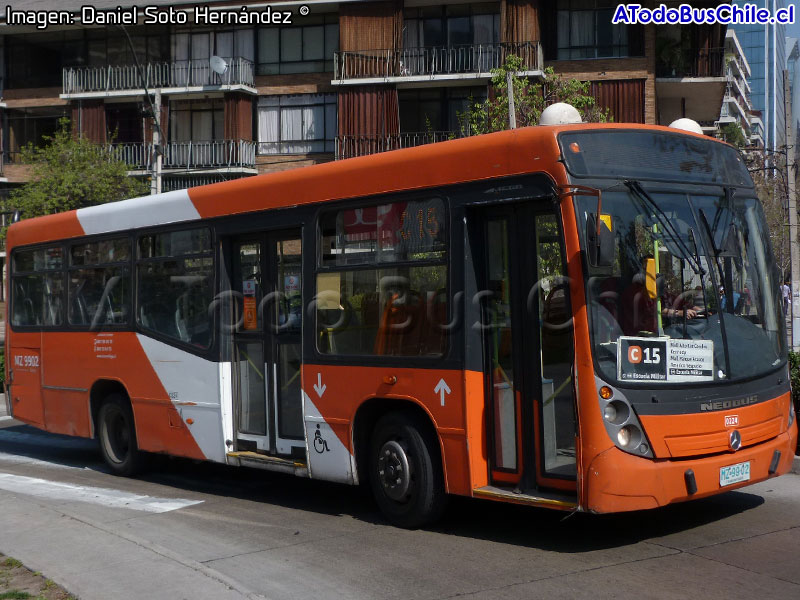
x=267, y=344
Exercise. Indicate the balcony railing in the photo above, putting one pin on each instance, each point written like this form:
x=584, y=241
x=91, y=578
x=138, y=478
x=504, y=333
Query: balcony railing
x=432, y=61
x=175, y=74
x=181, y=182
x=741, y=95
x=348, y=146
x=214, y=154
x=691, y=62
x=137, y=155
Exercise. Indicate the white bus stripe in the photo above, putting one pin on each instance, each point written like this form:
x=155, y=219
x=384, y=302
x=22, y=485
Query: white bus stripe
x=53, y=490
x=158, y=209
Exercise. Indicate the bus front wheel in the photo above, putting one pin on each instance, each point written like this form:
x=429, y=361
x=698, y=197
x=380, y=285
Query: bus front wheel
x=405, y=471
x=117, y=435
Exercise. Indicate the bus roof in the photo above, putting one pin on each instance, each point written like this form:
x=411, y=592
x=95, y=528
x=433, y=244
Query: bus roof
x=525, y=150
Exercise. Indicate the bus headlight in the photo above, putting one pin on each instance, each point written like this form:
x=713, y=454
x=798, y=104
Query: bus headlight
x=624, y=436
x=630, y=435
x=616, y=412
x=621, y=422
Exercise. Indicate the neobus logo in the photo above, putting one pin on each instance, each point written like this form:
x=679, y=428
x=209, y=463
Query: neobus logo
x=725, y=404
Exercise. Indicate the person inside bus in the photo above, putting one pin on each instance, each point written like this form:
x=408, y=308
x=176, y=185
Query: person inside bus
x=638, y=315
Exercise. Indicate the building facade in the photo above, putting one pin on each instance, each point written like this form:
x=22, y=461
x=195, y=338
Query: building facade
x=793, y=75
x=764, y=46
x=191, y=103
x=737, y=122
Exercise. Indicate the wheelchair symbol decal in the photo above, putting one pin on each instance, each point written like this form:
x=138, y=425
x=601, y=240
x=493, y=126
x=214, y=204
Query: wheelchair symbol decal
x=320, y=445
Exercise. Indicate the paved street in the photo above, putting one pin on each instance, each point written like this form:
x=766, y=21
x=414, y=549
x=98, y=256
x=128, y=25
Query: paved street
x=189, y=530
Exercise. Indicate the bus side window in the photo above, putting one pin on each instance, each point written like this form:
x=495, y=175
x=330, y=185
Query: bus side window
x=99, y=283
x=382, y=280
x=37, y=287
x=53, y=292
x=175, y=272
x=24, y=310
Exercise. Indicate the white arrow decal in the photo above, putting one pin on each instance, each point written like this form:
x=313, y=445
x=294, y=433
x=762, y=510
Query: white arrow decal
x=441, y=388
x=318, y=387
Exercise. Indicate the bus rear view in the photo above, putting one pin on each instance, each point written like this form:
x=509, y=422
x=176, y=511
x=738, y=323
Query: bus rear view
x=686, y=329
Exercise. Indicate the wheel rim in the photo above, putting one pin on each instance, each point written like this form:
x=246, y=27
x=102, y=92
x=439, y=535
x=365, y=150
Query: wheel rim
x=394, y=473
x=116, y=437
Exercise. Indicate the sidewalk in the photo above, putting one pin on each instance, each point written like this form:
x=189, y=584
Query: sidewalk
x=5, y=419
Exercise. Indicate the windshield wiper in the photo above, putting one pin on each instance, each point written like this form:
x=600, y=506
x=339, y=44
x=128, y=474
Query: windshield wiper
x=714, y=251
x=715, y=284
x=663, y=220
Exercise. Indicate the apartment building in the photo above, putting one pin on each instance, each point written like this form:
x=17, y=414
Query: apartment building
x=737, y=122
x=765, y=47
x=191, y=103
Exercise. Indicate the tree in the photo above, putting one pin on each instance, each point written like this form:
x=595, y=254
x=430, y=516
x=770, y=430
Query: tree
x=732, y=133
x=769, y=178
x=530, y=99
x=69, y=173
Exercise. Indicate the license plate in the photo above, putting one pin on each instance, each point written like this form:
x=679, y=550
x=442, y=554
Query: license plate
x=734, y=474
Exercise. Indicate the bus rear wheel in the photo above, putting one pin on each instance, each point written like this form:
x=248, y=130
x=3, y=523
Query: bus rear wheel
x=405, y=471
x=117, y=435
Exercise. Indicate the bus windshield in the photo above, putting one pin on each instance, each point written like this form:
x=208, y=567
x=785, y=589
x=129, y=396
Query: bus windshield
x=691, y=294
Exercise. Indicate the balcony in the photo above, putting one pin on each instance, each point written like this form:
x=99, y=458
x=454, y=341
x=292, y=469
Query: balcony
x=690, y=82
x=349, y=146
x=709, y=128
x=742, y=96
x=737, y=71
x=756, y=131
x=200, y=156
x=137, y=155
x=171, y=77
x=740, y=106
x=414, y=65
x=683, y=63
x=181, y=182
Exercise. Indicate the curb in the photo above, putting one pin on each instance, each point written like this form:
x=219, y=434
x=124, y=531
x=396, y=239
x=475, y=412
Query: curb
x=795, y=466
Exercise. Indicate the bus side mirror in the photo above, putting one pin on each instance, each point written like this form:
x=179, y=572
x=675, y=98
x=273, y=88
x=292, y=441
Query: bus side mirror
x=600, y=240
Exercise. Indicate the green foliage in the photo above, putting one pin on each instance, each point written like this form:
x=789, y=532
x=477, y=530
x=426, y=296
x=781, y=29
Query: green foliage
x=794, y=377
x=770, y=184
x=14, y=595
x=732, y=133
x=530, y=99
x=69, y=173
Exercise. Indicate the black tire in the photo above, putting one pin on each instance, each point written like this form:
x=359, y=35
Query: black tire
x=116, y=433
x=405, y=471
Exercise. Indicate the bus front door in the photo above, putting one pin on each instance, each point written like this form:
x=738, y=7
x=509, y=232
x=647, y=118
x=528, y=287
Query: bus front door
x=528, y=353
x=267, y=344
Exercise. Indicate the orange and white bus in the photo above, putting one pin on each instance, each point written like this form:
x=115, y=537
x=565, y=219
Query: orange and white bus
x=585, y=317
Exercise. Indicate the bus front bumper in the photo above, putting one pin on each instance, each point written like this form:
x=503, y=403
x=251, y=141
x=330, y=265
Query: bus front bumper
x=617, y=481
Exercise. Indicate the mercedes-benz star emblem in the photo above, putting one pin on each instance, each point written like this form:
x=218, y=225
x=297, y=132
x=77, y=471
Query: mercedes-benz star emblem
x=735, y=440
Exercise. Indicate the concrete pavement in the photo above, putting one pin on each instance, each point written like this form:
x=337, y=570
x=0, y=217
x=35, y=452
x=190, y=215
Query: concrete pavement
x=70, y=539
x=3, y=410
x=260, y=535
